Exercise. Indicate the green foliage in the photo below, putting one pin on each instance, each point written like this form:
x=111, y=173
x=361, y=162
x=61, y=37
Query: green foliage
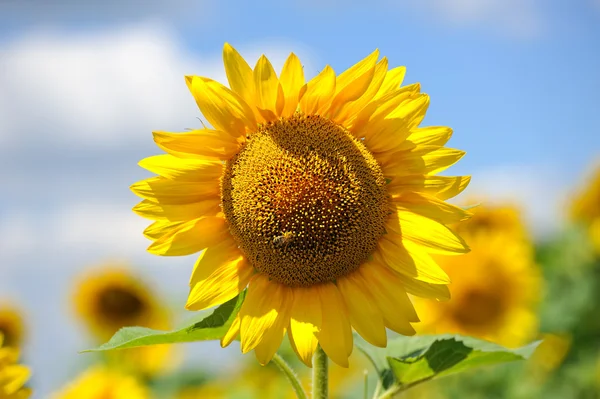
x=408, y=361
x=201, y=328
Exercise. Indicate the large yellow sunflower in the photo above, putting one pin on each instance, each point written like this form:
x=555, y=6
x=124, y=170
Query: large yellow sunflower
x=11, y=325
x=585, y=209
x=321, y=197
x=495, y=288
x=13, y=376
x=112, y=297
x=102, y=383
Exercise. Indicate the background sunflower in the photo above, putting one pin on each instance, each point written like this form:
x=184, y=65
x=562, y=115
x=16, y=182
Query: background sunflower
x=111, y=297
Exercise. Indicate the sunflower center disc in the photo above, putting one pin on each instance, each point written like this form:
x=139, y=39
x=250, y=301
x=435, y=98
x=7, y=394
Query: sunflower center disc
x=305, y=201
x=119, y=304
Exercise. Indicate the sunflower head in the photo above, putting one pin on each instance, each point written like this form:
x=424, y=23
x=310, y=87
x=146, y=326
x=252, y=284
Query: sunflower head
x=494, y=219
x=102, y=383
x=496, y=287
x=13, y=376
x=321, y=197
x=112, y=297
x=11, y=325
x=585, y=208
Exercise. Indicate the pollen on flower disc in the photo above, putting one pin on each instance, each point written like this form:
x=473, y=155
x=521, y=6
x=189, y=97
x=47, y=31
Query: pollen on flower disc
x=305, y=200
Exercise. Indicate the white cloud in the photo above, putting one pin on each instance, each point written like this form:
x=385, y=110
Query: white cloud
x=102, y=88
x=519, y=18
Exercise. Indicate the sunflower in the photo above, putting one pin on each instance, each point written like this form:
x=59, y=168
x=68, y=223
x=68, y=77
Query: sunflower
x=322, y=198
x=495, y=288
x=102, y=383
x=13, y=376
x=495, y=219
x=585, y=209
x=110, y=298
x=11, y=325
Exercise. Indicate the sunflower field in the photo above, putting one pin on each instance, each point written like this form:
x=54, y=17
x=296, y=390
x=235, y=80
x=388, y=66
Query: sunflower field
x=307, y=224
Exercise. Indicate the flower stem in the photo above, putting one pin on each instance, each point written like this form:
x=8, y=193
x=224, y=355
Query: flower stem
x=320, y=375
x=291, y=376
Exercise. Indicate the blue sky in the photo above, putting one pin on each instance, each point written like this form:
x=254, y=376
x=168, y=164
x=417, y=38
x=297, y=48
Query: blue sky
x=82, y=86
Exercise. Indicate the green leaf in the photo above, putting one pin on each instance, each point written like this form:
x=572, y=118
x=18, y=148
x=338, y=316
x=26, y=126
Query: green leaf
x=200, y=328
x=410, y=360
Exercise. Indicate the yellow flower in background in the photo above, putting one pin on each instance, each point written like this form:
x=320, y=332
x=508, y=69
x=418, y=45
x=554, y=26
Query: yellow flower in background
x=13, y=376
x=11, y=325
x=112, y=297
x=102, y=383
x=549, y=355
x=585, y=208
x=495, y=288
x=321, y=197
x=494, y=219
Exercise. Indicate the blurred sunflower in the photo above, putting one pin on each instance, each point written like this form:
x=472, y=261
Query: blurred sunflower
x=495, y=288
x=321, y=197
x=11, y=325
x=110, y=298
x=496, y=219
x=12, y=376
x=102, y=383
x=585, y=209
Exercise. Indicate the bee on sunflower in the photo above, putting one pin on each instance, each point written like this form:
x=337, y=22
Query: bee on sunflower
x=342, y=163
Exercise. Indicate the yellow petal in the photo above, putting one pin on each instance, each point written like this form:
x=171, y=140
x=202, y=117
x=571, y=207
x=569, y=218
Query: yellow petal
x=335, y=336
x=442, y=187
x=173, y=192
x=161, y=228
x=266, y=83
x=356, y=72
x=232, y=333
x=352, y=84
x=422, y=160
x=14, y=376
x=191, y=237
x=429, y=135
x=201, y=143
x=272, y=337
x=176, y=213
x=365, y=316
x=390, y=297
x=382, y=107
x=223, y=109
x=305, y=322
x=350, y=111
x=389, y=133
x=183, y=169
x=292, y=80
x=393, y=80
x=239, y=74
x=220, y=274
x=318, y=93
x=416, y=265
x=260, y=310
x=423, y=289
x=431, y=207
x=426, y=232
